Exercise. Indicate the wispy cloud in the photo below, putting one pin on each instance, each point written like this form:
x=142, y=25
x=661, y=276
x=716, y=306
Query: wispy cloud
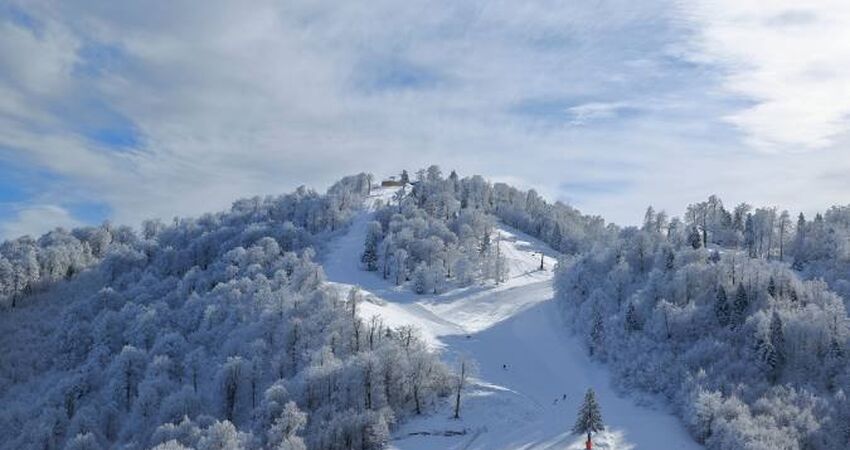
x=163, y=108
x=792, y=59
x=35, y=220
x=587, y=112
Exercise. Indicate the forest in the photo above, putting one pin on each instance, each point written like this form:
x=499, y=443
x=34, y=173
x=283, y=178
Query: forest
x=739, y=318
x=739, y=314
x=209, y=333
x=221, y=332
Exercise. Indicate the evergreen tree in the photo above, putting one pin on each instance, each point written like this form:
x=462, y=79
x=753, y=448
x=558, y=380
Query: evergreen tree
x=721, y=307
x=670, y=260
x=694, y=238
x=632, y=319
x=597, y=333
x=768, y=357
x=750, y=236
x=649, y=220
x=739, y=308
x=455, y=182
x=800, y=243
x=556, y=237
x=834, y=363
x=370, y=253
x=589, y=418
x=405, y=178
x=777, y=339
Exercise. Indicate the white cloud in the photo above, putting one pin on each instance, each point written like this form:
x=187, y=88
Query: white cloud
x=37, y=61
x=235, y=101
x=596, y=110
x=791, y=59
x=231, y=101
x=36, y=220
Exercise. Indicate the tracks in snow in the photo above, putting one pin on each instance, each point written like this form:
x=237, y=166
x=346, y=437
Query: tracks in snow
x=532, y=373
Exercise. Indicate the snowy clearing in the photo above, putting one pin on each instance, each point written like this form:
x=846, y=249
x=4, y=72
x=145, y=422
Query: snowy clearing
x=532, y=374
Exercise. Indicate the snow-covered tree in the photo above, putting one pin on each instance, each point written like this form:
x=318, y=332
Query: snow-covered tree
x=589, y=419
x=721, y=307
x=370, y=253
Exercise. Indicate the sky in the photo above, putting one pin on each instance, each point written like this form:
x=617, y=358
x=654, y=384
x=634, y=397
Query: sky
x=124, y=111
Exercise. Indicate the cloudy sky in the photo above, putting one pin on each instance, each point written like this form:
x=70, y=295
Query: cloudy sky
x=129, y=110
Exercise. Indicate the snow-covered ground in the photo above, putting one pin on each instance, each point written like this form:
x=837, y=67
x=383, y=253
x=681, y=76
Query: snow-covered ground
x=532, y=374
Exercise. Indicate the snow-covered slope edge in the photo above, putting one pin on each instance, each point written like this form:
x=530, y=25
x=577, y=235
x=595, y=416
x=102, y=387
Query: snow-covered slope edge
x=531, y=375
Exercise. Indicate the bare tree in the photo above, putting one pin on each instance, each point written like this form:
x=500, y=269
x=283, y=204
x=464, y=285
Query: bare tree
x=466, y=367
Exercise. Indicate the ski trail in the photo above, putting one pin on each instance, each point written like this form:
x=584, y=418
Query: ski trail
x=532, y=372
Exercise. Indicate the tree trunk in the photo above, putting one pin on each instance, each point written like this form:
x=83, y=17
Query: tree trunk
x=459, y=388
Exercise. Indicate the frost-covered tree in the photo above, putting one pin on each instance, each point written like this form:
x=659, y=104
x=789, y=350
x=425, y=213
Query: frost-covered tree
x=740, y=304
x=216, y=332
x=633, y=322
x=684, y=331
x=721, y=307
x=370, y=253
x=466, y=368
x=695, y=238
x=589, y=419
x=596, y=340
x=450, y=226
x=283, y=435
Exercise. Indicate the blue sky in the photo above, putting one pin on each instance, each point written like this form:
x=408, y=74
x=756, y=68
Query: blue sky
x=131, y=110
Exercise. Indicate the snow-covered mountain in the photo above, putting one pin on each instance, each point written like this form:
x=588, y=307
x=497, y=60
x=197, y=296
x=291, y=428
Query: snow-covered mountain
x=532, y=373
x=443, y=313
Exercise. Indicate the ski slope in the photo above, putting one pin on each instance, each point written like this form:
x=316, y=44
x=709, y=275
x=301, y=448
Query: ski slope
x=532, y=374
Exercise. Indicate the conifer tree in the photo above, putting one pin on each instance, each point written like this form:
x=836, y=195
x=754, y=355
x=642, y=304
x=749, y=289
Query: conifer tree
x=556, y=238
x=632, y=320
x=777, y=338
x=750, y=236
x=800, y=242
x=370, y=252
x=741, y=304
x=694, y=238
x=589, y=418
x=649, y=219
x=721, y=307
x=768, y=357
x=670, y=260
x=771, y=287
x=597, y=333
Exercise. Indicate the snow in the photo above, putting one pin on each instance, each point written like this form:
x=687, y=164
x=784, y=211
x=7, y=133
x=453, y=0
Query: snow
x=520, y=405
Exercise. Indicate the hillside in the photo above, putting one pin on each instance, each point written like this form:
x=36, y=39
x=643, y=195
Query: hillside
x=367, y=317
x=211, y=333
x=527, y=360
